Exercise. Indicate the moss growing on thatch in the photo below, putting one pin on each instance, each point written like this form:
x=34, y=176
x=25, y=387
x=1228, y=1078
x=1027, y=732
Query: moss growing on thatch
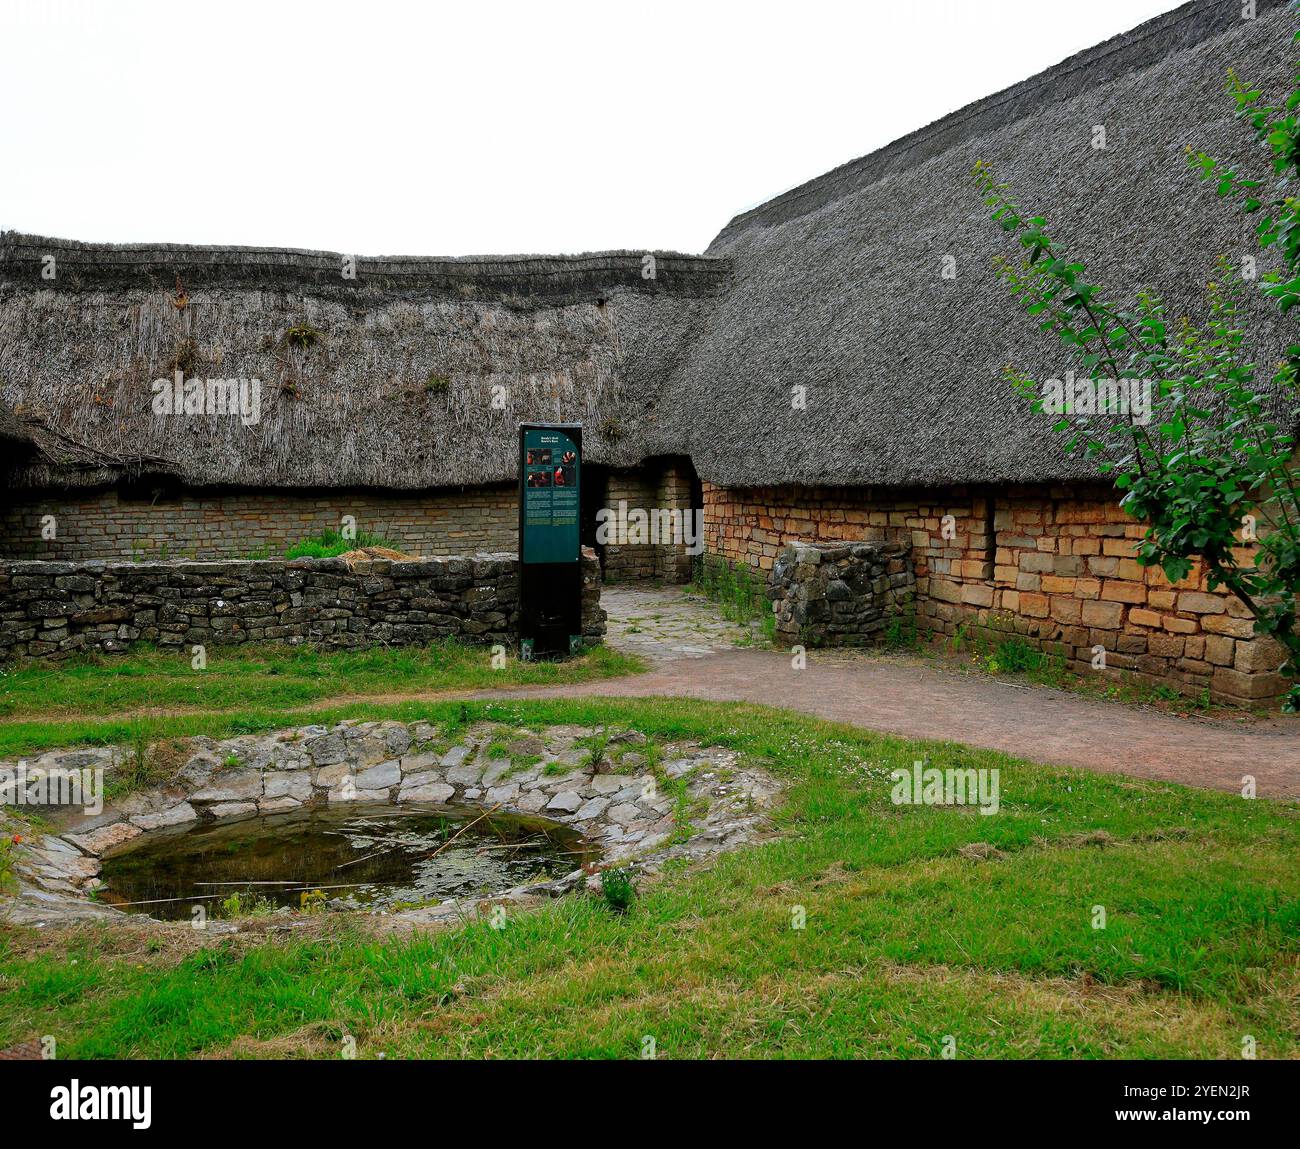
x=187, y=357
x=437, y=384
x=303, y=336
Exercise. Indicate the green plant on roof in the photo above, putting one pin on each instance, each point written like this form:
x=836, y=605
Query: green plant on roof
x=437, y=384
x=303, y=336
x=186, y=357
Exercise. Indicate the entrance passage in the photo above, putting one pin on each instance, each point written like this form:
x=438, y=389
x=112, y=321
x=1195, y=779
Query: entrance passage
x=664, y=623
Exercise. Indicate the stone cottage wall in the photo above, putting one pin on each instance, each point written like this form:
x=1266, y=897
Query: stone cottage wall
x=841, y=594
x=60, y=608
x=1054, y=565
x=109, y=524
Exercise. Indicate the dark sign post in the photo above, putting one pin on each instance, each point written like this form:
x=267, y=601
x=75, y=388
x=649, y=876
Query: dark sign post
x=550, y=566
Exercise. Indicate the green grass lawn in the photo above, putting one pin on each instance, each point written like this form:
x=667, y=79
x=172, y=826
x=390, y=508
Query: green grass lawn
x=908, y=940
x=275, y=677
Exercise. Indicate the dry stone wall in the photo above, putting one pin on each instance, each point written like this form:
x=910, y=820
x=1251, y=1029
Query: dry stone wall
x=61, y=608
x=210, y=525
x=839, y=594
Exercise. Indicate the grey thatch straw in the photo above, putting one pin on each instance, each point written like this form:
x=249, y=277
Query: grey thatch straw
x=838, y=286
x=389, y=379
x=412, y=374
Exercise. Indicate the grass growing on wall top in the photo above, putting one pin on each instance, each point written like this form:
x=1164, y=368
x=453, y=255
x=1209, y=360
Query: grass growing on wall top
x=329, y=544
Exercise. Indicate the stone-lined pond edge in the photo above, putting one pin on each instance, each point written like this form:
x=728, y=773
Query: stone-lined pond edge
x=637, y=804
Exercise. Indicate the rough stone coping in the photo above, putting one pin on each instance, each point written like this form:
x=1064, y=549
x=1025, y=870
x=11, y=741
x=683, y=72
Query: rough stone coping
x=814, y=553
x=479, y=563
x=617, y=805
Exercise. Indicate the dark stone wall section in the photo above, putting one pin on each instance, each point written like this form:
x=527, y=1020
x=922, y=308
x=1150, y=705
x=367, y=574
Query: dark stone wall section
x=839, y=594
x=53, y=609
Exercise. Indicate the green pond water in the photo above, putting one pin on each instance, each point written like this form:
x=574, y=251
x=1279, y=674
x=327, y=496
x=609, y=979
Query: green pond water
x=359, y=855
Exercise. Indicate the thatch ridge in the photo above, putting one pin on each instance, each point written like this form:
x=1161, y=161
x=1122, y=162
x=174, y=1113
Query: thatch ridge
x=510, y=278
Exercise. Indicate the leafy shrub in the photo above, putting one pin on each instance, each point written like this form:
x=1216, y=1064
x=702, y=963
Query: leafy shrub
x=6, y=861
x=901, y=632
x=735, y=588
x=246, y=905
x=1015, y=656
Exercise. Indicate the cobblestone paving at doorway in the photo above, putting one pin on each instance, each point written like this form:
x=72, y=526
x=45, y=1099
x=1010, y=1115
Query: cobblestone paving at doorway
x=666, y=623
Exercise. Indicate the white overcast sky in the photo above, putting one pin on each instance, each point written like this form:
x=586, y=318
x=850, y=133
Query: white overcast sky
x=469, y=127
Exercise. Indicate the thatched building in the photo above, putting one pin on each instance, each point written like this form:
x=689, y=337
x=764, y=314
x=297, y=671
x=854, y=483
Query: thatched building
x=391, y=387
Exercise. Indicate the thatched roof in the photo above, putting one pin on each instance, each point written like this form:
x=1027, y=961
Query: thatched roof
x=32, y=447
x=838, y=285
x=414, y=373
x=14, y=433
x=387, y=380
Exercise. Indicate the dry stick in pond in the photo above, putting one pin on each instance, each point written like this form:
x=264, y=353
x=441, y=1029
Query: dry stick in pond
x=439, y=850
x=465, y=827
x=209, y=897
x=283, y=882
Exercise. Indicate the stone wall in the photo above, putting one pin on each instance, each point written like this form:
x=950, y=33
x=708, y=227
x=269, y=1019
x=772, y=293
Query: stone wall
x=839, y=594
x=60, y=608
x=629, y=562
x=160, y=525
x=1053, y=565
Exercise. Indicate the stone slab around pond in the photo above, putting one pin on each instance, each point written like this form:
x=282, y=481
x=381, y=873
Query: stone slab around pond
x=617, y=803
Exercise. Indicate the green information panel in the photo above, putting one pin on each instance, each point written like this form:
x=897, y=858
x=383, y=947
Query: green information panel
x=550, y=498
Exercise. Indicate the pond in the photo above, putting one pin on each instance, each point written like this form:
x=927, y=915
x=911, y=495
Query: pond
x=358, y=856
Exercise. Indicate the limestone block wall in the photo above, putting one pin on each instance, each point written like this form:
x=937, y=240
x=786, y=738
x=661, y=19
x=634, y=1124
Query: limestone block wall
x=1054, y=565
x=161, y=525
x=52, y=609
x=630, y=562
x=191, y=524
